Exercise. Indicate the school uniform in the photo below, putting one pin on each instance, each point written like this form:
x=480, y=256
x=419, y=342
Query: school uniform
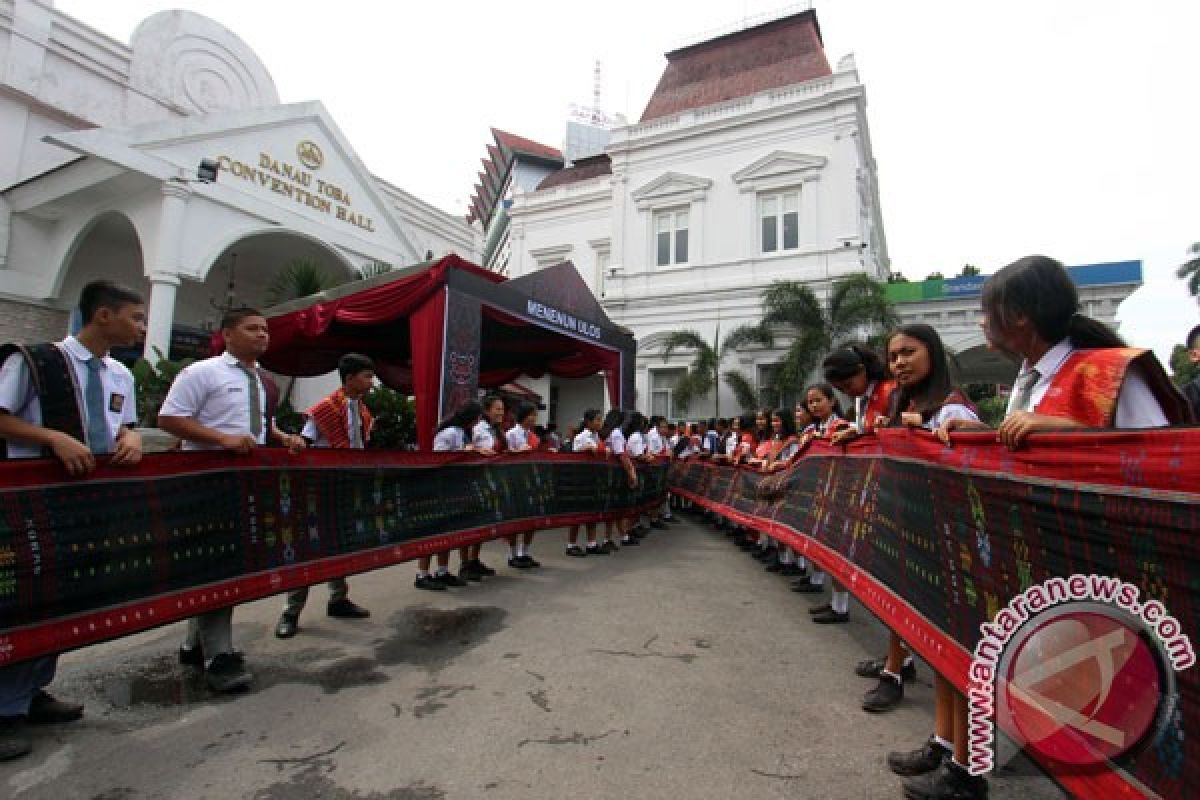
x=342, y=422
x=103, y=414
x=223, y=394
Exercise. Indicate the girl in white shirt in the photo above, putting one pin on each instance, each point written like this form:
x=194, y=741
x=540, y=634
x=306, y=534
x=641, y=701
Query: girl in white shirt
x=452, y=437
x=586, y=441
x=517, y=441
x=614, y=445
x=1031, y=309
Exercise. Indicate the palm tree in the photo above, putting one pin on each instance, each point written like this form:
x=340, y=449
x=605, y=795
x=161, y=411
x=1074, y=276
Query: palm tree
x=298, y=278
x=1190, y=270
x=705, y=369
x=854, y=303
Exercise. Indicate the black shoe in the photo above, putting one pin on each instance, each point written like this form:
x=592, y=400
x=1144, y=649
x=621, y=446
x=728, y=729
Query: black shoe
x=776, y=567
x=286, y=628
x=518, y=562
x=531, y=561
x=884, y=697
x=346, y=609
x=482, y=568
x=925, y=758
x=429, y=582
x=747, y=544
x=808, y=587
x=191, y=656
x=658, y=524
x=576, y=551
x=821, y=609
x=873, y=666
x=597, y=550
x=469, y=573
x=831, y=617
x=14, y=738
x=948, y=782
x=609, y=547
x=770, y=554
x=226, y=674
x=44, y=709
x=792, y=571
x=629, y=541
x=446, y=579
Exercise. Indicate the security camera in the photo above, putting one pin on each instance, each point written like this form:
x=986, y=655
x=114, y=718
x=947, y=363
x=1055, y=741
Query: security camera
x=207, y=171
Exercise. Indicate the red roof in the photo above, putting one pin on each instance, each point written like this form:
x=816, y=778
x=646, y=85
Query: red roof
x=581, y=170
x=776, y=53
x=520, y=144
x=496, y=165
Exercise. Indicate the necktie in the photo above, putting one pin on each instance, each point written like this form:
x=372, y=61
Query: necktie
x=1024, y=392
x=256, y=414
x=355, y=426
x=98, y=435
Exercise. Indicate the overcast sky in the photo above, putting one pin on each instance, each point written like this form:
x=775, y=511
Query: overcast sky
x=1000, y=129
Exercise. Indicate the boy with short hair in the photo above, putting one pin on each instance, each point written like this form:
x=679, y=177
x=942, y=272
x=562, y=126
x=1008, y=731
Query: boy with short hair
x=73, y=401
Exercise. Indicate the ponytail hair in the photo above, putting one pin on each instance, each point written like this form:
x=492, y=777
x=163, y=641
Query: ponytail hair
x=845, y=362
x=1039, y=289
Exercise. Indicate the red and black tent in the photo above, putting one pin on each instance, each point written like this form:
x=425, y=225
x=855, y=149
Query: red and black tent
x=441, y=331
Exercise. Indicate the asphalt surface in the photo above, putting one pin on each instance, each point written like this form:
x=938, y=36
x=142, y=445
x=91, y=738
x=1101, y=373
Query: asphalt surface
x=677, y=669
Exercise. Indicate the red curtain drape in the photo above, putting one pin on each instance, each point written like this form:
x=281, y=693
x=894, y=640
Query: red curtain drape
x=426, y=326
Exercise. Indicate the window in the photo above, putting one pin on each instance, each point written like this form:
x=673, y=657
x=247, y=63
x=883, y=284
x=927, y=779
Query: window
x=662, y=391
x=769, y=393
x=780, y=221
x=671, y=237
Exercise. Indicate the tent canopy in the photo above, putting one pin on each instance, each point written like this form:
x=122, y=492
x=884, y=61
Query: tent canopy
x=441, y=331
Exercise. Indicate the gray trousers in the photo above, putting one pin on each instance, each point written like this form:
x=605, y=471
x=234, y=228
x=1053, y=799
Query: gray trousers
x=212, y=631
x=296, y=598
x=20, y=681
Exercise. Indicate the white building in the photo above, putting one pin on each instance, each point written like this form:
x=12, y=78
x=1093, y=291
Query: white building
x=752, y=163
x=104, y=140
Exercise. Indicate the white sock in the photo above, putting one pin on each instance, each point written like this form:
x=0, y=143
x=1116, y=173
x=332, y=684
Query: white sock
x=944, y=743
x=422, y=573
x=818, y=578
x=840, y=602
x=786, y=556
x=520, y=550
x=908, y=660
x=800, y=562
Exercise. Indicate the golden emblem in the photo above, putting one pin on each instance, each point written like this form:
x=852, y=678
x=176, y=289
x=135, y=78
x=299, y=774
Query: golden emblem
x=310, y=155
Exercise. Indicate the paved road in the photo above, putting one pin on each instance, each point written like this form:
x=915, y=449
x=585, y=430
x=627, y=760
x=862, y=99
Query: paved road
x=675, y=670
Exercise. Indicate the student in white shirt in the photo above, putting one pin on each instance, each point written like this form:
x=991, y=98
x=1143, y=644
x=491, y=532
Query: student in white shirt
x=925, y=397
x=1031, y=309
x=220, y=403
x=341, y=421
x=452, y=436
x=105, y=410
x=587, y=441
x=517, y=439
x=486, y=439
x=614, y=445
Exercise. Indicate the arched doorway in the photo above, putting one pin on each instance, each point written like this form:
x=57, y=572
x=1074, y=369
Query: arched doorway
x=107, y=247
x=244, y=271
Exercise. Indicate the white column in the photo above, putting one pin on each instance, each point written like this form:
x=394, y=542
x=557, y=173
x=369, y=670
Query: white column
x=163, y=270
x=159, y=316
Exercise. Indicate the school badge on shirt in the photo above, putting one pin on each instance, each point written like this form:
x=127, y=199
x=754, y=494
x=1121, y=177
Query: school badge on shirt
x=116, y=402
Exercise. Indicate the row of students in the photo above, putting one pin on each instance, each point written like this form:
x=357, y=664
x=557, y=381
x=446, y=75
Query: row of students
x=1075, y=373
x=475, y=427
